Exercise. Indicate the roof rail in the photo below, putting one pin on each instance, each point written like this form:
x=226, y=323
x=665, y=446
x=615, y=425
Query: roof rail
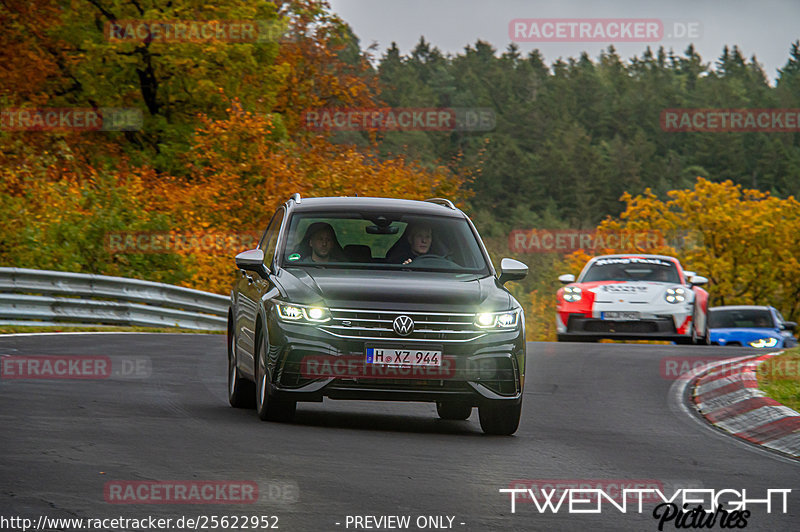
x=296, y=197
x=442, y=201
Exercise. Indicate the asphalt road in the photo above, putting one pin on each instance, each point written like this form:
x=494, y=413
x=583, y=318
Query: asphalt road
x=592, y=412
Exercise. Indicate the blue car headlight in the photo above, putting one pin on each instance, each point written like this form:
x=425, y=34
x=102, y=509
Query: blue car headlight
x=764, y=342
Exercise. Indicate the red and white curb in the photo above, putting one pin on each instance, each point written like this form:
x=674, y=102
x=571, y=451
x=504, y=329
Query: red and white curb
x=728, y=397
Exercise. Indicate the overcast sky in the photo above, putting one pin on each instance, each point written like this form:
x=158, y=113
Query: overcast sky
x=765, y=28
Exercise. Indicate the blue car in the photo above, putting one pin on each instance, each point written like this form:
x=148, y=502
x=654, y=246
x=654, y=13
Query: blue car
x=750, y=326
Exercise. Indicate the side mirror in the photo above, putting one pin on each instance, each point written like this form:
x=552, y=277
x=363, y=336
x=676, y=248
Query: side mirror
x=252, y=260
x=697, y=280
x=512, y=270
x=566, y=278
x=790, y=325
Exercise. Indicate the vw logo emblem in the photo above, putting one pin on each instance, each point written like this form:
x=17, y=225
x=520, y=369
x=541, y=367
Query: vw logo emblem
x=403, y=325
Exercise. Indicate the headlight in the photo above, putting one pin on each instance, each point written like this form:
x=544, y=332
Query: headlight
x=303, y=313
x=497, y=320
x=675, y=295
x=572, y=293
x=764, y=342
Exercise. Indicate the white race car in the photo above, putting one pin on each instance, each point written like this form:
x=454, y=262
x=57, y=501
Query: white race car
x=626, y=297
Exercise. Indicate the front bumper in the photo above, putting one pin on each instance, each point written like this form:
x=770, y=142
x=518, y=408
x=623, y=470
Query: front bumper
x=657, y=328
x=486, y=369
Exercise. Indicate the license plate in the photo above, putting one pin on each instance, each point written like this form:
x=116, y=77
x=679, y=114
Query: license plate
x=620, y=316
x=404, y=357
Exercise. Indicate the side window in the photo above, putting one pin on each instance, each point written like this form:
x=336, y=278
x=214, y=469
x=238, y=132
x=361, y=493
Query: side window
x=270, y=239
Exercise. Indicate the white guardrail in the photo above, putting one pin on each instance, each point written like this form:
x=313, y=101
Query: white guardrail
x=44, y=297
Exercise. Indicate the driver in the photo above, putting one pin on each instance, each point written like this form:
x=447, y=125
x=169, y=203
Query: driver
x=420, y=239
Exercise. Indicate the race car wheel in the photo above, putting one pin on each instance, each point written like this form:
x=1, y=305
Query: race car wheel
x=703, y=340
x=569, y=338
x=500, y=419
x=453, y=411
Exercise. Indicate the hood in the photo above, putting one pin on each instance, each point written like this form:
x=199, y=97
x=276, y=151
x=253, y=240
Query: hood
x=370, y=289
x=651, y=292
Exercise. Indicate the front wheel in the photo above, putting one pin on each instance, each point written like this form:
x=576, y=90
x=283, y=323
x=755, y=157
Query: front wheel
x=500, y=419
x=268, y=407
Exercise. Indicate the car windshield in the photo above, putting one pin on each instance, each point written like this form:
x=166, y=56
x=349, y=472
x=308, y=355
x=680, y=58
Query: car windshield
x=632, y=269
x=738, y=318
x=382, y=240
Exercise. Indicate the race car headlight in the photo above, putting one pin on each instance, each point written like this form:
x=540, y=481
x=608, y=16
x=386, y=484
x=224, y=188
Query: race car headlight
x=764, y=342
x=675, y=295
x=497, y=320
x=572, y=294
x=303, y=313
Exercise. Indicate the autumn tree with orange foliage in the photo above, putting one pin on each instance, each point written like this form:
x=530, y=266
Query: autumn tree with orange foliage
x=747, y=242
x=222, y=145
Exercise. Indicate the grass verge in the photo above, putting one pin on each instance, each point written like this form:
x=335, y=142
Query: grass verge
x=779, y=378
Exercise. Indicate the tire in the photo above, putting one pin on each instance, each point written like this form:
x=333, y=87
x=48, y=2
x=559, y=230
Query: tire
x=705, y=339
x=453, y=411
x=700, y=340
x=569, y=338
x=500, y=419
x=268, y=407
x=241, y=392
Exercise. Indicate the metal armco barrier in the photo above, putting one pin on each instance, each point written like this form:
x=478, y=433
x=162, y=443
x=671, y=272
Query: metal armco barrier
x=88, y=299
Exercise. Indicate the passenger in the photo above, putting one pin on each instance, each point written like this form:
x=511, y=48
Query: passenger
x=320, y=244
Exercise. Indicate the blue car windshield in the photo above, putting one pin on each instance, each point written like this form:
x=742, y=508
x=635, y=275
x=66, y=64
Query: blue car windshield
x=740, y=318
